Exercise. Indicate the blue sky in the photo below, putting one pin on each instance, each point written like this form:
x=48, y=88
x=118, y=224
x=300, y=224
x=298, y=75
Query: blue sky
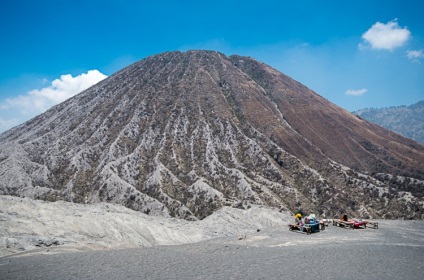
x=357, y=54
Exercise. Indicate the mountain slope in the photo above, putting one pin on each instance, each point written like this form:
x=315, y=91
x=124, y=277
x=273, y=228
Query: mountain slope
x=406, y=120
x=184, y=134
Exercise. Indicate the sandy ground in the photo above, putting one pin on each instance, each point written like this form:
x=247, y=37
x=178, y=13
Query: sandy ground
x=394, y=251
x=27, y=225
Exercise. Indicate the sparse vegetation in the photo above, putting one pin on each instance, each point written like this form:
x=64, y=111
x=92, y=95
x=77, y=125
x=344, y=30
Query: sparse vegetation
x=193, y=132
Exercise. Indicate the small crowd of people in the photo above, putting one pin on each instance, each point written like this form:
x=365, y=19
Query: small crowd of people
x=310, y=219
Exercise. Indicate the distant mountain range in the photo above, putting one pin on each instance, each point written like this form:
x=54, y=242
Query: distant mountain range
x=183, y=134
x=405, y=120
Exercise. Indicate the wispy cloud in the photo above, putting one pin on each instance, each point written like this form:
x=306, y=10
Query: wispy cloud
x=387, y=36
x=356, y=92
x=19, y=109
x=415, y=55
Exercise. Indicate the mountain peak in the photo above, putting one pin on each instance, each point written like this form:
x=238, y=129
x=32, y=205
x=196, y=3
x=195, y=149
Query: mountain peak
x=185, y=133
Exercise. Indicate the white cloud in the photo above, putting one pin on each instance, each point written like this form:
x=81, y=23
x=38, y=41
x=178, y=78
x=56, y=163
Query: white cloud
x=8, y=123
x=19, y=109
x=356, y=92
x=386, y=36
x=415, y=55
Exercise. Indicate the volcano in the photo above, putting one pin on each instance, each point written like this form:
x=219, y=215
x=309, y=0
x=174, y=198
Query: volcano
x=182, y=134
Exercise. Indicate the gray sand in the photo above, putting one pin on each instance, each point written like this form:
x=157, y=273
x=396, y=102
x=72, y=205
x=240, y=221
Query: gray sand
x=394, y=251
x=27, y=224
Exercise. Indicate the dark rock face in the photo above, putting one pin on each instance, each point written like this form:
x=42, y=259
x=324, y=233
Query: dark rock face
x=182, y=134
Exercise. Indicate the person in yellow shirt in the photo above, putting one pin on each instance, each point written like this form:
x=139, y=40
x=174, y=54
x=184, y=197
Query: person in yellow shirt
x=298, y=219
